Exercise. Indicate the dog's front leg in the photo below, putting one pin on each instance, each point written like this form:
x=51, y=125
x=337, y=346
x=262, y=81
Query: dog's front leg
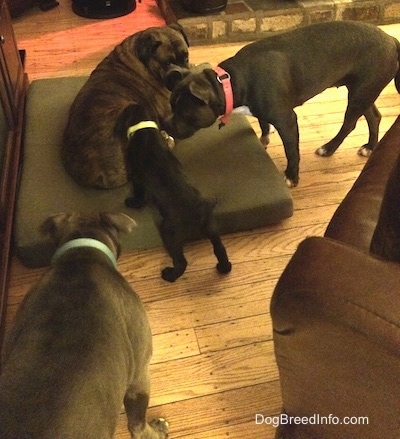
x=289, y=132
x=265, y=132
x=138, y=200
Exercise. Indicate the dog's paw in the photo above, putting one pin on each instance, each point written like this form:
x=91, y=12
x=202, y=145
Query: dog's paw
x=161, y=426
x=135, y=203
x=264, y=141
x=224, y=267
x=290, y=183
x=364, y=151
x=323, y=152
x=169, y=274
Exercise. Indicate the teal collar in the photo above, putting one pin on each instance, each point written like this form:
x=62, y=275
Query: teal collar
x=84, y=242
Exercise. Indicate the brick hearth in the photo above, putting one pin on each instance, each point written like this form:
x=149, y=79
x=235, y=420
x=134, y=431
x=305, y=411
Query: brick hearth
x=245, y=20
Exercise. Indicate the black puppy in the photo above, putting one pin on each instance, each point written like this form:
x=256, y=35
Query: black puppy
x=276, y=74
x=158, y=173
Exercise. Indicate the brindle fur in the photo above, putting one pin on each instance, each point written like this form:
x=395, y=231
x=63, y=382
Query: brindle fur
x=132, y=73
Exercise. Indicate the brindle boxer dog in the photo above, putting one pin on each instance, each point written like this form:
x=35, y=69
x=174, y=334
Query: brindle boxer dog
x=132, y=73
x=81, y=342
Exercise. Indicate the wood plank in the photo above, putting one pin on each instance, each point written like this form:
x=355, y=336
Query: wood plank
x=228, y=412
x=174, y=345
x=212, y=373
x=233, y=333
x=219, y=415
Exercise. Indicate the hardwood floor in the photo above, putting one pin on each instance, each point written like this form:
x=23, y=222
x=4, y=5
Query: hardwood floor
x=213, y=367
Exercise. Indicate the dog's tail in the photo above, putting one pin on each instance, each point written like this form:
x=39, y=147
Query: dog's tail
x=397, y=77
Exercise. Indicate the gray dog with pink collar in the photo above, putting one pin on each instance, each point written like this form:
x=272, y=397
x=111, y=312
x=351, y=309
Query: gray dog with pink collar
x=278, y=73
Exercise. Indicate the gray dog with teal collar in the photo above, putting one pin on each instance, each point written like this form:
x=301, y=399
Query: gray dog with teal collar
x=278, y=73
x=81, y=342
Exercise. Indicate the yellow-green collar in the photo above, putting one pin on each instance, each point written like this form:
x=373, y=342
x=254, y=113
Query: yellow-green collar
x=140, y=126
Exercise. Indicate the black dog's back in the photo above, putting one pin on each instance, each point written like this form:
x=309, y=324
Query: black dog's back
x=312, y=67
x=274, y=75
x=161, y=173
x=158, y=175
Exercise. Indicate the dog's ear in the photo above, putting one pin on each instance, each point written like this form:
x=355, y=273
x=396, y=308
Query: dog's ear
x=174, y=77
x=179, y=28
x=122, y=222
x=53, y=224
x=146, y=46
x=200, y=92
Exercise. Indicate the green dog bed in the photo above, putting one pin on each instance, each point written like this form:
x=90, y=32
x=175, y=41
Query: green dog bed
x=228, y=165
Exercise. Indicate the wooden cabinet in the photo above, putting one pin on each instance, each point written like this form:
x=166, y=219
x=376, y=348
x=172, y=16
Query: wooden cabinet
x=13, y=85
x=11, y=67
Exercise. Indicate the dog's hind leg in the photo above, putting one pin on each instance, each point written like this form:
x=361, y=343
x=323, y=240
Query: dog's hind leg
x=223, y=266
x=373, y=117
x=348, y=126
x=360, y=101
x=173, y=243
x=136, y=402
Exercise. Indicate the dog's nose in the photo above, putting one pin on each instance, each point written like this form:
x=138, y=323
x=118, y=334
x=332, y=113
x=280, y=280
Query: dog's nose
x=174, y=75
x=179, y=131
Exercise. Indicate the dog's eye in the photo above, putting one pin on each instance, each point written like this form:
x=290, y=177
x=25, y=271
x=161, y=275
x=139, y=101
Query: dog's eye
x=168, y=63
x=183, y=60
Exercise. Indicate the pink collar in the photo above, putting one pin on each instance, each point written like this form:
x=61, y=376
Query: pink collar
x=225, y=79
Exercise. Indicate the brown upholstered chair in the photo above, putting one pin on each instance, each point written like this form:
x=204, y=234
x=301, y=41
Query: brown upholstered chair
x=336, y=315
